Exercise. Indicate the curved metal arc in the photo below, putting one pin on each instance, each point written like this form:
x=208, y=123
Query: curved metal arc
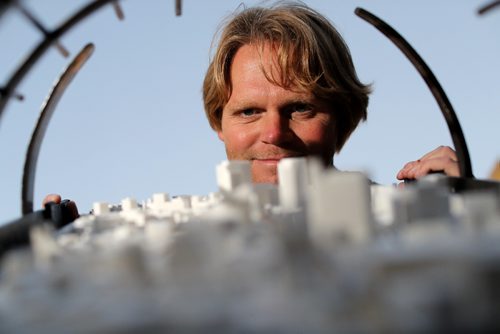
x=178, y=7
x=489, y=6
x=433, y=84
x=48, y=108
x=4, y=5
x=42, y=47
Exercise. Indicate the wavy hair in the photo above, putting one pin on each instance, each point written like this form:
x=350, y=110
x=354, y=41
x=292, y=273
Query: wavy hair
x=311, y=56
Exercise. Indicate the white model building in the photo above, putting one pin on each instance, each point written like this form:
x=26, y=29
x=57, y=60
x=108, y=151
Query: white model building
x=323, y=252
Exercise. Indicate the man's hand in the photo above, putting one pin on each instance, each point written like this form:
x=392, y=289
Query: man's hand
x=442, y=159
x=57, y=199
x=51, y=198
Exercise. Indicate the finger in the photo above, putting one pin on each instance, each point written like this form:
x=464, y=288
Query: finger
x=401, y=174
x=424, y=167
x=420, y=168
x=448, y=164
x=51, y=198
x=441, y=152
x=405, y=170
x=406, y=174
x=410, y=164
x=445, y=165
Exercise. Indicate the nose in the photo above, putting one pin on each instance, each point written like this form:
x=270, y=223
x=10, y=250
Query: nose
x=275, y=129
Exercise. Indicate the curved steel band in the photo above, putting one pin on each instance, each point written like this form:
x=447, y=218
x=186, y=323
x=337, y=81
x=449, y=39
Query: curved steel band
x=46, y=113
x=433, y=84
x=42, y=47
x=489, y=6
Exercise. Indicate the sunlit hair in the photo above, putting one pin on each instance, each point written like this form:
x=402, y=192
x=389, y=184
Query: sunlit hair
x=311, y=55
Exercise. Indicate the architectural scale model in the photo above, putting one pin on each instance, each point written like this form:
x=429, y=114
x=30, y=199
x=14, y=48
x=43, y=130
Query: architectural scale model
x=323, y=252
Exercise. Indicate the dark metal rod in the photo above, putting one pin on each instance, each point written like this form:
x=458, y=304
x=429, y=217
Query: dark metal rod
x=42, y=47
x=433, y=84
x=40, y=27
x=118, y=10
x=32, y=18
x=17, y=96
x=48, y=108
x=178, y=7
x=489, y=6
x=4, y=4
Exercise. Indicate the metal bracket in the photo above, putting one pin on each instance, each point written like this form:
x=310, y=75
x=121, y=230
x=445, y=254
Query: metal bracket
x=433, y=84
x=48, y=107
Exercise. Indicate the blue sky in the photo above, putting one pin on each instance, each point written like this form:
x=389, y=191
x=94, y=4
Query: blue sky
x=132, y=121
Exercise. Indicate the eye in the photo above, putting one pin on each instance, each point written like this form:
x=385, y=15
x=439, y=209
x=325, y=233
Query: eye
x=301, y=110
x=301, y=107
x=248, y=112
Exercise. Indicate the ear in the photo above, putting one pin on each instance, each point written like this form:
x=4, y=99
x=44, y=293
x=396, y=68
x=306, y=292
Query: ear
x=220, y=135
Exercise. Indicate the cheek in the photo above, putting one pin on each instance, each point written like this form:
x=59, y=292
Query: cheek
x=320, y=138
x=318, y=133
x=237, y=139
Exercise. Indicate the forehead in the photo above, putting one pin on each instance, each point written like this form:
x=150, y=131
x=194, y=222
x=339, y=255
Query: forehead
x=253, y=60
x=255, y=73
x=263, y=63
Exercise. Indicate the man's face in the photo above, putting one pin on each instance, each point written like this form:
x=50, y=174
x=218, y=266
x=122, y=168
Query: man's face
x=264, y=123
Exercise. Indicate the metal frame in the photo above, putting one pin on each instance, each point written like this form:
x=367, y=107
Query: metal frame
x=433, y=84
x=50, y=39
x=489, y=6
x=48, y=108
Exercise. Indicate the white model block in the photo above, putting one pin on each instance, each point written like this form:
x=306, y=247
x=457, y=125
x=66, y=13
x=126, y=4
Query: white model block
x=160, y=198
x=159, y=202
x=199, y=203
x=315, y=169
x=131, y=213
x=267, y=194
x=129, y=204
x=181, y=203
x=230, y=210
x=134, y=216
x=231, y=174
x=339, y=208
x=292, y=176
x=249, y=201
x=383, y=204
x=100, y=208
x=215, y=197
x=421, y=203
x=433, y=202
x=478, y=209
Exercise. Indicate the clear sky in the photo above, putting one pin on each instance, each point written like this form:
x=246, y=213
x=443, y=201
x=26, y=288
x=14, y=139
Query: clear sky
x=132, y=121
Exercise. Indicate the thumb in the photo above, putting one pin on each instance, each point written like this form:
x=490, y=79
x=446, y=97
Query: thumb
x=51, y=198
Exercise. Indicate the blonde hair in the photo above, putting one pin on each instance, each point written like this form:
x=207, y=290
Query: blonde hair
x=311, y=56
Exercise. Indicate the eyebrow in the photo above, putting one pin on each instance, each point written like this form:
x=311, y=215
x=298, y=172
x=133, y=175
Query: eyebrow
x=240, y=105
x=249, y=104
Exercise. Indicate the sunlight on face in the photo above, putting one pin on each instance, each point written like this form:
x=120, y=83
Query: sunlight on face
x=263, y=122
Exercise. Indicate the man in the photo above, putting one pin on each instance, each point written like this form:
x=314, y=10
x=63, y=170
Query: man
x=282, y=84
